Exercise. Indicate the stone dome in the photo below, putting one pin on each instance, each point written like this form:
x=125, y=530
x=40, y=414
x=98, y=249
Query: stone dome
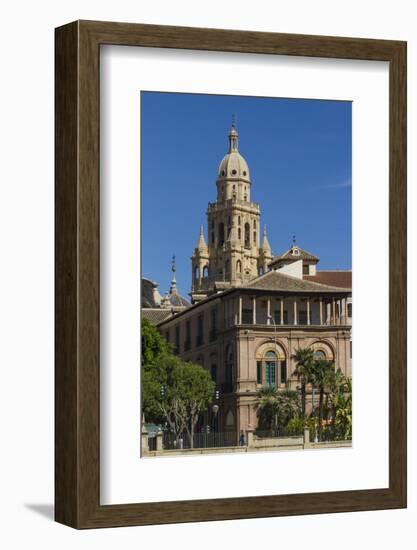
x=233, y=164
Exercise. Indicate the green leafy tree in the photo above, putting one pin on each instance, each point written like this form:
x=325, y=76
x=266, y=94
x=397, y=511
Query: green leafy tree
x=267, y=408
x=193, y=393
x=173, y=390
x=276, y=408
x=153, y=345
x=304, y=358
x=156, y=356
x=295, y=426
x=321, y=376
x=342, y=407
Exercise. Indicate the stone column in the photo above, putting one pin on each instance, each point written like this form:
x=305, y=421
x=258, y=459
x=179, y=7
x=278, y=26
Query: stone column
x=145, y=441
x=308, y=311
x=159, y=440
x=249, y=437
x=295, y=311
x=282, y=311
x=333, y=312
x=254, y=310
x=306, y=438
x=268, y=311
x=321, y=310
x=240, y=311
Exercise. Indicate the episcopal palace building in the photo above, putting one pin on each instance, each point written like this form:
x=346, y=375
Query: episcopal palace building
x=251, y=310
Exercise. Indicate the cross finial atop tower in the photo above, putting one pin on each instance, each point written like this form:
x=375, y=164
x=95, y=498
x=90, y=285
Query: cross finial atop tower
x=173, y=288
x=293, y=240
x=233, y=135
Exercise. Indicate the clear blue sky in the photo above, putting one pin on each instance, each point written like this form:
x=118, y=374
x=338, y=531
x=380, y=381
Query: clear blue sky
x=300, y=159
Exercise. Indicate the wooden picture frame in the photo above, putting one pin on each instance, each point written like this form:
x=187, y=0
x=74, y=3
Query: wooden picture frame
x=77, y=405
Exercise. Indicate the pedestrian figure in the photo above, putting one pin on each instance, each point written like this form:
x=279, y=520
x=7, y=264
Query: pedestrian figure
x=242, y=441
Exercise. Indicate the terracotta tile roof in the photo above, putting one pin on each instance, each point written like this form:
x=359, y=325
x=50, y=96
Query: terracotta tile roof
x=274, y=280
x=342, y=278
x=156, y=315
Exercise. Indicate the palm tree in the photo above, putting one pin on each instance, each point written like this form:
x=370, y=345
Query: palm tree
x=288, y=406
x=267, y=408
x=322, y=374
x=304, y=358
x=276, y=408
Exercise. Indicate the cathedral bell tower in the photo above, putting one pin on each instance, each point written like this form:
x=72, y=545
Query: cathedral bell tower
x=233, y=255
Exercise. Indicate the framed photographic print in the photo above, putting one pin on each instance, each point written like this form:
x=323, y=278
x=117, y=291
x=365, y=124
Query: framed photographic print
x=222, y=199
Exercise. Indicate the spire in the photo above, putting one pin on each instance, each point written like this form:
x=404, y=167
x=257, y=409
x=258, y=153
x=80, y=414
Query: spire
x=266, y=247
x=202, y=245
x=233, y=136
x=173, y=288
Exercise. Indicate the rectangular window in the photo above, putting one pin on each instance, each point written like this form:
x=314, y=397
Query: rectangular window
x=349, y=310
x=213, y=372
x=177, y=339
x=270, y=373
x=187, y=343
x=302, y=317
x=283, y=372
x=200, y=330
x=247, y=317
x=277, y=316
x=259, y=372
x=305, y=269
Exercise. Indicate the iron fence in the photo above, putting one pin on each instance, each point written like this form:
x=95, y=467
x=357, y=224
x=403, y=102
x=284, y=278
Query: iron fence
x=279, y=432
x=200, y=440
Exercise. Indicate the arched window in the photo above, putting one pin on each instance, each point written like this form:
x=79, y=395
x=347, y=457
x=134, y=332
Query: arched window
x=206, y=271
x=270, y=369
x=247, y=235
x=239, y=266
x=196, y=272
x=221, y=234
x=239, y=234
x=319, y=354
